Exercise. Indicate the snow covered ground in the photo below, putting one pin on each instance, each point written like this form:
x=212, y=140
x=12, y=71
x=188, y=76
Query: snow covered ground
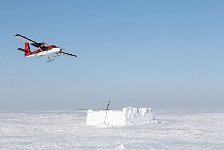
x=67, y=131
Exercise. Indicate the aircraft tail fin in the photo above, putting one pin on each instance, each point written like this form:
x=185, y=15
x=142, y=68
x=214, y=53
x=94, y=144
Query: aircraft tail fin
x=27, y=49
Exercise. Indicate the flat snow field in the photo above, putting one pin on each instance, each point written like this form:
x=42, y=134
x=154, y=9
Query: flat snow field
x=67, y=131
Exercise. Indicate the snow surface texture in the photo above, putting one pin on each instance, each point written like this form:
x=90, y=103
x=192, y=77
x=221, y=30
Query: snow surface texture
x=67, y=131
x=129, y=116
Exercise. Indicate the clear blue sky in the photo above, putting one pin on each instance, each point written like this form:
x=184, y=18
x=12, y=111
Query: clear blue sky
x=157, y=54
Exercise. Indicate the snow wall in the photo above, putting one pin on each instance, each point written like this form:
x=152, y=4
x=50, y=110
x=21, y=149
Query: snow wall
x=128, y=116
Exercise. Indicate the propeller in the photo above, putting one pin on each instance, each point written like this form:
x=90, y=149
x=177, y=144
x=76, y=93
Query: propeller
x=42, y=44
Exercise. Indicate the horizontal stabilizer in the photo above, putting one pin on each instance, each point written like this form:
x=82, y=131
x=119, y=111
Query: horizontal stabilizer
x=23, y=50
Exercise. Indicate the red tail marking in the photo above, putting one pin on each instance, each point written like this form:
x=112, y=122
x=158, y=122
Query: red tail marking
x=27, y=49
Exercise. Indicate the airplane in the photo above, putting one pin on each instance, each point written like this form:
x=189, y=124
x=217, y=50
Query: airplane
x=51, y=51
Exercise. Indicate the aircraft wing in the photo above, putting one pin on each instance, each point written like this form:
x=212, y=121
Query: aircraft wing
x=36, y=44
x=68, y=54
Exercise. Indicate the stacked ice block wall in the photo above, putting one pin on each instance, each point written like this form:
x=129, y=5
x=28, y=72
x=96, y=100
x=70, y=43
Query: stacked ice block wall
x=128, y=116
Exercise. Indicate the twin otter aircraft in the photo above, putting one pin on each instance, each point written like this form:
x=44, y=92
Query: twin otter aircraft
x=51, y=51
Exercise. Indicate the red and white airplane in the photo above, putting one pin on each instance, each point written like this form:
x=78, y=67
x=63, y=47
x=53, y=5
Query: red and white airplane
x=51, y=51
